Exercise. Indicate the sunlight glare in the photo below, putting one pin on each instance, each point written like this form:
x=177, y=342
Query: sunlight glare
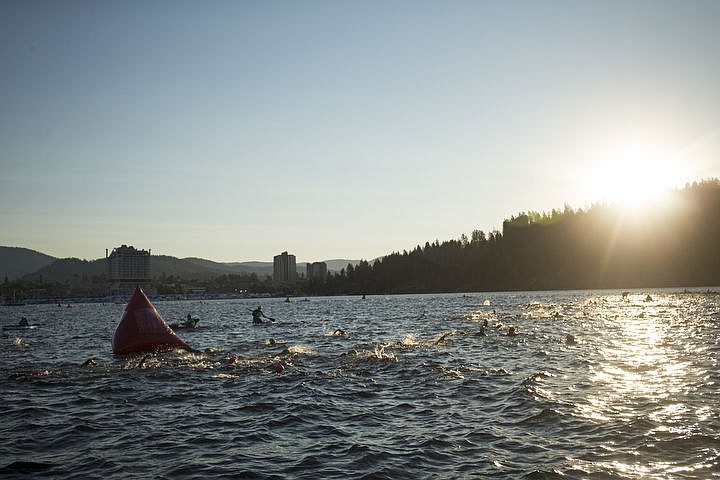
x=634, y=176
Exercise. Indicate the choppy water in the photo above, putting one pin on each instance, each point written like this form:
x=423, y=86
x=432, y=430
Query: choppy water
x=410, y=390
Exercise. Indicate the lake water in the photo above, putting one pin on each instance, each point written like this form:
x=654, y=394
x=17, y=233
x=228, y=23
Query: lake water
x=409, y=389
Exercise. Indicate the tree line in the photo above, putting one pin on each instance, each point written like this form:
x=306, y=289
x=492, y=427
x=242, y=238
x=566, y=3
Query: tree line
x=674, y=242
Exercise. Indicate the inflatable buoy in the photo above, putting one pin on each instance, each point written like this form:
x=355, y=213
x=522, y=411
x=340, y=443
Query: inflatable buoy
x=142, y=329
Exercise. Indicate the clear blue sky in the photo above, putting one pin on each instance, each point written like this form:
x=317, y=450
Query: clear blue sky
x=236, y=130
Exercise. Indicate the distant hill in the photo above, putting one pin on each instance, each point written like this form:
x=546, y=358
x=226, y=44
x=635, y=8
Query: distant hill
x=188, y=268
x=16, y=262
x=66, y=270
x=237, y=268
x=338, y=264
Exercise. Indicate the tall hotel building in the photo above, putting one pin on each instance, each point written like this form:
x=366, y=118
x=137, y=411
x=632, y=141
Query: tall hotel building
x=316, y=270
x=284, y=269
x=127, y=268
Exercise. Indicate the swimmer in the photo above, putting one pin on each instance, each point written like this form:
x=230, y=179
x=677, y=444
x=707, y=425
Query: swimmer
x=339, y=331
x=648, y=298
x=24, y=322
x=483, y=327
x=141, y=364
x=512, y=331
x=90, y=362
x=570, y=339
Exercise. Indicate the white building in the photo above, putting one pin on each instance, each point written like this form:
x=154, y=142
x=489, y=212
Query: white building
x=127, y=268
x=284, y=268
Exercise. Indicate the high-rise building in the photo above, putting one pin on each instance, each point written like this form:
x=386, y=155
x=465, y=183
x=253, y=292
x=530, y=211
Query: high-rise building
x=316, y=270
x=284, y=269
x=127, y=268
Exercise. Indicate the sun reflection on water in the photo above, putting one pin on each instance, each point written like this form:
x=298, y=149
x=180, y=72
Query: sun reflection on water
x=638, y=364
x=648, y=366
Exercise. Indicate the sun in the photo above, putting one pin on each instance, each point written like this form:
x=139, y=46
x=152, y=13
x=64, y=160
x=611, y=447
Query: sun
x=633, y=176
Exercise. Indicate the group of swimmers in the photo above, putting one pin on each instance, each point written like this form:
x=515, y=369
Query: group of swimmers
x=514, y=331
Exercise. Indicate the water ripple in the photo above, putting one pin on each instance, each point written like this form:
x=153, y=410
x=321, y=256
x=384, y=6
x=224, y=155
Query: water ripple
x=411, y=389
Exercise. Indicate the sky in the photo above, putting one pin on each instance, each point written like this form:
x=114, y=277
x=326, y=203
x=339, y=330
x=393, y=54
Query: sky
x=236, y=130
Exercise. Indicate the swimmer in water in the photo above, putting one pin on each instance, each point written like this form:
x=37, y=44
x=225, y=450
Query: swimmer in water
x=90, y=362
x=570, y=339
x=339, y=331
x=483, y=327
x=442, y=338
x=512, y=331
x=24, y=322
x=143, y=360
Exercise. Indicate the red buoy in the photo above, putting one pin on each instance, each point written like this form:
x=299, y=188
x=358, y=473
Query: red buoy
x=142, y=329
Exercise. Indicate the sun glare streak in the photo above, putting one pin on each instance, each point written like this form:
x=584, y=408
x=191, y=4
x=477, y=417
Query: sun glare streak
x=634, y=176
x=639, y=180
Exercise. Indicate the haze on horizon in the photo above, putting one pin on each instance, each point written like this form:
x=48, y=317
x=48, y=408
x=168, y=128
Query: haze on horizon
x=234, y=131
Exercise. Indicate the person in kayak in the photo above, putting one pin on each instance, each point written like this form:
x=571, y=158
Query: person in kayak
x=190, y=322
x=257, y=313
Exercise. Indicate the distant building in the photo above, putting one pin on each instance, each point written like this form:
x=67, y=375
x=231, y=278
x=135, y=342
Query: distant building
x=316, y=270
x=127, y=268
x=284, y=269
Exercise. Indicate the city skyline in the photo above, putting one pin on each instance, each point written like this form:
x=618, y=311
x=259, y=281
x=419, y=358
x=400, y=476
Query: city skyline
x=235, y=131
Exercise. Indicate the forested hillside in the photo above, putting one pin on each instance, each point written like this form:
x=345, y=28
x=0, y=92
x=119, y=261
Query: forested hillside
x=676, y=242
x=16, y=262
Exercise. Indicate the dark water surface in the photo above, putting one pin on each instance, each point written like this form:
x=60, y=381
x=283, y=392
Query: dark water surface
x=410, y=390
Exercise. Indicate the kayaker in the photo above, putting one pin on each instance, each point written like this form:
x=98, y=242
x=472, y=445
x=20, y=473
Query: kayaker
x=190, y=322
x=257, y=313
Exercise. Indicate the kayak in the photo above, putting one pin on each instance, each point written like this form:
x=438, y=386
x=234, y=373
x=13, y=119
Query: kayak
x=180, y=326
